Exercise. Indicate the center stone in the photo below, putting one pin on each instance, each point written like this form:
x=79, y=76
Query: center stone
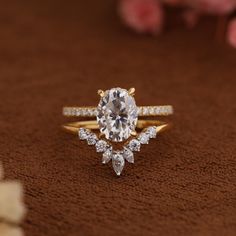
x=117, y=114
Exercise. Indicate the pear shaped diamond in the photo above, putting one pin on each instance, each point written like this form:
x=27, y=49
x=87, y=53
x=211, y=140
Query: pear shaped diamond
x=118, y=162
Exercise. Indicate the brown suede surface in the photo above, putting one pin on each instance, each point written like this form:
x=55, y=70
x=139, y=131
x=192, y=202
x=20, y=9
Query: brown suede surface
x=183, y=183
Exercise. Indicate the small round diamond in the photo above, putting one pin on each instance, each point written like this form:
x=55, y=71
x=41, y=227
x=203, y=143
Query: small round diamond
x=152, y=131
x=143, y=138
x=101, y=146
x=92, y=139
x=134, y=145
x=83, y=134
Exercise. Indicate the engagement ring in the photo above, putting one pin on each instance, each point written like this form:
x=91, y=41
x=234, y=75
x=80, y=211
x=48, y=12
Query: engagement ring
x=117, y=121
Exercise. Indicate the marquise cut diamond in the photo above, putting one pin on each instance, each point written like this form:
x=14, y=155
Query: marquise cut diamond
x=118, y=162
x=128, y=155
x=107, y=155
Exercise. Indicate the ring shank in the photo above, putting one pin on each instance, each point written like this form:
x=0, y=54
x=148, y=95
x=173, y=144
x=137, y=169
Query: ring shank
x=164, y=110
x=93, y=125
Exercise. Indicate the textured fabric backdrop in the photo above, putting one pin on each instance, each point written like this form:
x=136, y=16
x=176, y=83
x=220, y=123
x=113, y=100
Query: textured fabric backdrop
x=183, y=183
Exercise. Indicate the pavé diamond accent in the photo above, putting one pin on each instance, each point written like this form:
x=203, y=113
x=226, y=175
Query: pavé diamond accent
x=134, y=145
x=142, y=111
x=118, y=162
x=117, y=114
x=101, y=146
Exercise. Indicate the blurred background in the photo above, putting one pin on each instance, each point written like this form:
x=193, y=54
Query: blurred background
x=58, y=53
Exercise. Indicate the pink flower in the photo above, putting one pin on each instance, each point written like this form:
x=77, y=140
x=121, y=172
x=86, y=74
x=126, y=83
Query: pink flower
x=191, y=18
x=231, y=33
x=144, y=16
x=213, y=6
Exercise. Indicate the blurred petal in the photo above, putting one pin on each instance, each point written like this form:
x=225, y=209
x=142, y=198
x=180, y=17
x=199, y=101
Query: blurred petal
x=191, y=18
x=9, y=230
x=12, y=208
x=213, y=6
x=231, y=33
x=144, y=16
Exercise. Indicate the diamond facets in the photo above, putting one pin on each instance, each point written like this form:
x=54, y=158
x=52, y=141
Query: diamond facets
x=134, y=145
x=107, y=155
x=101, y=146
x=118, y=162
x=128, y=155
x=118, y=157
x=117, y=114
x=143, y=138
x=152, y=131
x=92, y=139
x=83, y=134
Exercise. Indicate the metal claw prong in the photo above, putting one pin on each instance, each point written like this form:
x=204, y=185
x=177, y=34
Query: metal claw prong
x=133, y=133
x=101, y=135
x=101, y=93
x=131, y=91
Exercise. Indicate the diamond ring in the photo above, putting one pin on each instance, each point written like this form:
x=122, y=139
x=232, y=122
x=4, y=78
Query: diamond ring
x=117, y=121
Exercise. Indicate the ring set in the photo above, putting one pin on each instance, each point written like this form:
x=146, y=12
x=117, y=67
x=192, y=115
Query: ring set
x=117, y=119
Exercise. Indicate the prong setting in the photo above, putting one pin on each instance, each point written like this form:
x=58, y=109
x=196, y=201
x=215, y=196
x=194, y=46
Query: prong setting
x=132, y=91
x=101, y=93
x=134, y=133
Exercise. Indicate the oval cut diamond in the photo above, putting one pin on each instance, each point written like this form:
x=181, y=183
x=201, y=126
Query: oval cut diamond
x=117, y=114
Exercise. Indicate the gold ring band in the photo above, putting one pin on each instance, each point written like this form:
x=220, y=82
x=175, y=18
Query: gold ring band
x=93, y=125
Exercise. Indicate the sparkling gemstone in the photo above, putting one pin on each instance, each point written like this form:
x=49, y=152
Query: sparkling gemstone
x=152, y=131
x=107, y=155
x=134, y=145
x=118, y=162
x=128, y=155
x=101, y=146
x=145, y=111
x=151, y=111
x=92, y=139
x=83, y=134
x=143, y=138
x=117, y=114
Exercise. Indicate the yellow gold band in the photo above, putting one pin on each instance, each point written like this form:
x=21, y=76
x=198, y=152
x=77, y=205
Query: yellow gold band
x=92, y=124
